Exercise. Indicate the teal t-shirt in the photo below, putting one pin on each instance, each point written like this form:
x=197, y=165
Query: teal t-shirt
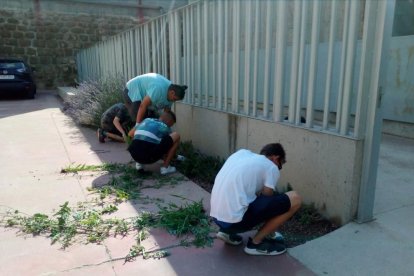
x=152, y=130
x=153, y=85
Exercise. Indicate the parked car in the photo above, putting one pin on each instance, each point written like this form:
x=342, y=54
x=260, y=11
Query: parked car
x=16, y=76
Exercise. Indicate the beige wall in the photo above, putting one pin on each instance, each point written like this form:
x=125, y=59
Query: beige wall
x=324, y=168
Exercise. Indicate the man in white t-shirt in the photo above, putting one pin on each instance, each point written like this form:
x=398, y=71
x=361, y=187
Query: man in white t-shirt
x=243, y=197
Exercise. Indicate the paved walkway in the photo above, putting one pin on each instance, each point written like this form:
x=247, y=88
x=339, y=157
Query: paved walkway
x=37, y=140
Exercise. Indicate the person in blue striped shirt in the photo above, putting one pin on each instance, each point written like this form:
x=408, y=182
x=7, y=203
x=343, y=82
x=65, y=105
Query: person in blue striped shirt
x=154, y=140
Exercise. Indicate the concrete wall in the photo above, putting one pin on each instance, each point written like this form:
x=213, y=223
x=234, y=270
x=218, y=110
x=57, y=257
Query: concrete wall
x=310, y=168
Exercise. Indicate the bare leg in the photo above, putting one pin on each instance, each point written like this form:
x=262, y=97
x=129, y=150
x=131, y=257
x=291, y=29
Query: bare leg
x=273, y=224
x=114, y=137
x=171, y=153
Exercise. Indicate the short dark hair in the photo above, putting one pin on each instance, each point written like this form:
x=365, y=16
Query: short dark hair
x=273, y=149
x=172, y=115
x=179, y=90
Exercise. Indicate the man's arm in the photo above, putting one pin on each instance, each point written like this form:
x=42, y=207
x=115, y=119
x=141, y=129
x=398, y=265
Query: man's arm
x=131, y=132
x=267, y=191
x=145, y=103
x=118, y=126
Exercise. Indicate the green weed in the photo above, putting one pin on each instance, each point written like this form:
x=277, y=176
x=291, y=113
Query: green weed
x=197, y=166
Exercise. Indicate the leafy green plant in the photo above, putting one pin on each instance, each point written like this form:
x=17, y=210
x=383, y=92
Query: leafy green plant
x=186, y=219
x=197, y=166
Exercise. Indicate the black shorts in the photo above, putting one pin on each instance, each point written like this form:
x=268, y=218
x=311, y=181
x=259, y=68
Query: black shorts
x=133, y=107
x=110, y=128
x=259, y=211
x=145, y=152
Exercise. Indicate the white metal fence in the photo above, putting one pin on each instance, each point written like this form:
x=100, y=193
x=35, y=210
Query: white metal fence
x=285, y=60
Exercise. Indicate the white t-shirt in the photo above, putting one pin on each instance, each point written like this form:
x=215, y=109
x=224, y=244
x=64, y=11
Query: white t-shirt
x=243, y=175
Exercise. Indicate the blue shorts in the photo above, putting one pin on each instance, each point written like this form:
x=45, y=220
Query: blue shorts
x=259, y=211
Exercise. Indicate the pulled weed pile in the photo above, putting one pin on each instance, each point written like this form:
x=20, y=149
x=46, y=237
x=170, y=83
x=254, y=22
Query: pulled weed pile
x=88, y=221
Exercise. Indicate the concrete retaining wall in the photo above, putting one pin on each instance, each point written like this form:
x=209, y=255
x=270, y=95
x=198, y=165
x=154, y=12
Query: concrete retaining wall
x=325, y=169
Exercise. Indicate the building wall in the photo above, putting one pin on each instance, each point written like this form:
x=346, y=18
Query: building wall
x=49, y=33
x=313, y=158
x=49, y=41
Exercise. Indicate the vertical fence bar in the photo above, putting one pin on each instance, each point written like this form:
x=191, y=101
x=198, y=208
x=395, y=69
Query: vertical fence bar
x=342, y=68
x=153, y=41
x=349, y=66
x=147, y=50
x=226, y=50
x=313, y=66
x=128, y=55
x=198, y=80
x=192, y=53
x=138, y=50
x=256, y=56
x=236, y=57
x=179, y=45
x=302, y=62
x=280, y=61
x=247, y=50
x=133, y=58
x=120, y=67
x=384, y=12
x=267, y=57
x=214, y=86
x=368, y=41
x=295, y=60
x=220, y=33
x=329, y=68
x=172, y=37
x=188, y=53
x=206, y=54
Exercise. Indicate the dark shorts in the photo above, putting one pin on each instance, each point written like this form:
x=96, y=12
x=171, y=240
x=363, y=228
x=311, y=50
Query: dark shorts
x=259, y=211
x=145, y=152
x=110, y=128
x=133, y=108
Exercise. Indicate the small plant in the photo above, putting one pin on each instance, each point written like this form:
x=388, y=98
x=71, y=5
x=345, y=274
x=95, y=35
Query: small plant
x=308, y=215
x=197, y=166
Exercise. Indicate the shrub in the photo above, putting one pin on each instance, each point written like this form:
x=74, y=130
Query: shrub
x=92, y=98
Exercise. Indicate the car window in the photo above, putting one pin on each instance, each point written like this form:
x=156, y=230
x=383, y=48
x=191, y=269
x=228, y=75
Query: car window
x=12, y=65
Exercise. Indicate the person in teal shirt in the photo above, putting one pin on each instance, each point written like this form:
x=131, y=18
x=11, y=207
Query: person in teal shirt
x=151, y=92
x=153, y=140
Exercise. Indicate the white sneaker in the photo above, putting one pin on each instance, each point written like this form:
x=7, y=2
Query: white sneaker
x=167, y=170
x=180, y=157
x=138, y=166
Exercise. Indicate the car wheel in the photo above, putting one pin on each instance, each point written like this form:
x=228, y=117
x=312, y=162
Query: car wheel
x=31, y=94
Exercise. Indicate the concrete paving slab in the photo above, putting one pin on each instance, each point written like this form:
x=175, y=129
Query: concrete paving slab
x=373, y=248
x=220, y=259
x=27, y=255
x=39, y=194
x=395, y=179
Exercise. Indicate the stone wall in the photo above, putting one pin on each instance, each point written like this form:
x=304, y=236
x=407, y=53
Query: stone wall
x=49, y=40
